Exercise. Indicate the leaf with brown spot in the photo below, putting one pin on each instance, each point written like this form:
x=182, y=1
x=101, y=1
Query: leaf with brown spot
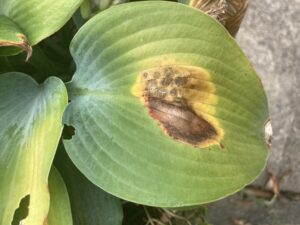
x=171, y=98
x=167, y=109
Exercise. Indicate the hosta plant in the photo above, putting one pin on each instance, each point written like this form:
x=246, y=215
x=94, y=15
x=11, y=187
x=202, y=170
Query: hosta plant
x=147, y=107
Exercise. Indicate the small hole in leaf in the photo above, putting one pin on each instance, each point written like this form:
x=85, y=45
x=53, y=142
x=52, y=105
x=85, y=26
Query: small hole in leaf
x=68, y=132
x=22, y=212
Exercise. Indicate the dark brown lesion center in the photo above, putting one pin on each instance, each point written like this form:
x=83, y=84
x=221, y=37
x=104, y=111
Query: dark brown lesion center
x=180, y=121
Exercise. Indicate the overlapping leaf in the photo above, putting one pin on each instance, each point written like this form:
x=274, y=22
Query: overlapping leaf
x=34, y=21
x=121, y=148
x=12, y=39
x=60, y=209
x=31, y=124
x=90, y=204
x=51, y=57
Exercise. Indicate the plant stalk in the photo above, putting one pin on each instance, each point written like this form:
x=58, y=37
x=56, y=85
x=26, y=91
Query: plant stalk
x=230, y=13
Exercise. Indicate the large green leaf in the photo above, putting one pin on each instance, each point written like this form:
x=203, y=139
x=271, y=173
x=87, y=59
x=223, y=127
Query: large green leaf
x=30, y=128
x=60, y=209
x=36, y=19
x=161, y=150
x=90, y=205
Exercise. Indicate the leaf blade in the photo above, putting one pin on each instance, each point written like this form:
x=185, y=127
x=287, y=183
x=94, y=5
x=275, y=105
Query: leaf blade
x=30, y=122
x=90, y=204
x=115, y=128
x=60, y=209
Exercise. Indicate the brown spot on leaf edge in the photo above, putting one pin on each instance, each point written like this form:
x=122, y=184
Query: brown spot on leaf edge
x=45, y=221
x=23, y=44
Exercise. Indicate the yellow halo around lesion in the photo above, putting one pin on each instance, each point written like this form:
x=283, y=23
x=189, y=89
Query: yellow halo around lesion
x=178, y=85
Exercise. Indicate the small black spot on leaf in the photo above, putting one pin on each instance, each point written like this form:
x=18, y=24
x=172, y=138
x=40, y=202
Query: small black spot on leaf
x=173, y=92
x=145, y=75
x=222, y=145
x=166, y=81
x=168, y=72
x=152, y=83
x=181, y=81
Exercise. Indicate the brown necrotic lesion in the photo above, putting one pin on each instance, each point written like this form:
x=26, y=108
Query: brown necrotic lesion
x=176, y=96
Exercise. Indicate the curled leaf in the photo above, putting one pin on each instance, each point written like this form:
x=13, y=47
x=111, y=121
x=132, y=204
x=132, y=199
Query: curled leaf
x=34, y=20
x=12, y=40
x=30, y=128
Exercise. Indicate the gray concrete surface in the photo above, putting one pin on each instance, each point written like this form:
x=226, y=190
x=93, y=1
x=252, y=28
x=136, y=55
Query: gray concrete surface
x=239, y=211
x=270, y=36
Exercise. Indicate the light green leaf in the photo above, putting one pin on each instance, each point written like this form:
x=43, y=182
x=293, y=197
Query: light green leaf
x=30, y=128
x=60, y=209
x=139, y=140
x=90, y=205
x=36, y=19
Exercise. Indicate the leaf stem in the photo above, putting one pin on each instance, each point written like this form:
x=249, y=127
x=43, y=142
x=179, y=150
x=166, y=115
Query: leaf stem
x=230, y=13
